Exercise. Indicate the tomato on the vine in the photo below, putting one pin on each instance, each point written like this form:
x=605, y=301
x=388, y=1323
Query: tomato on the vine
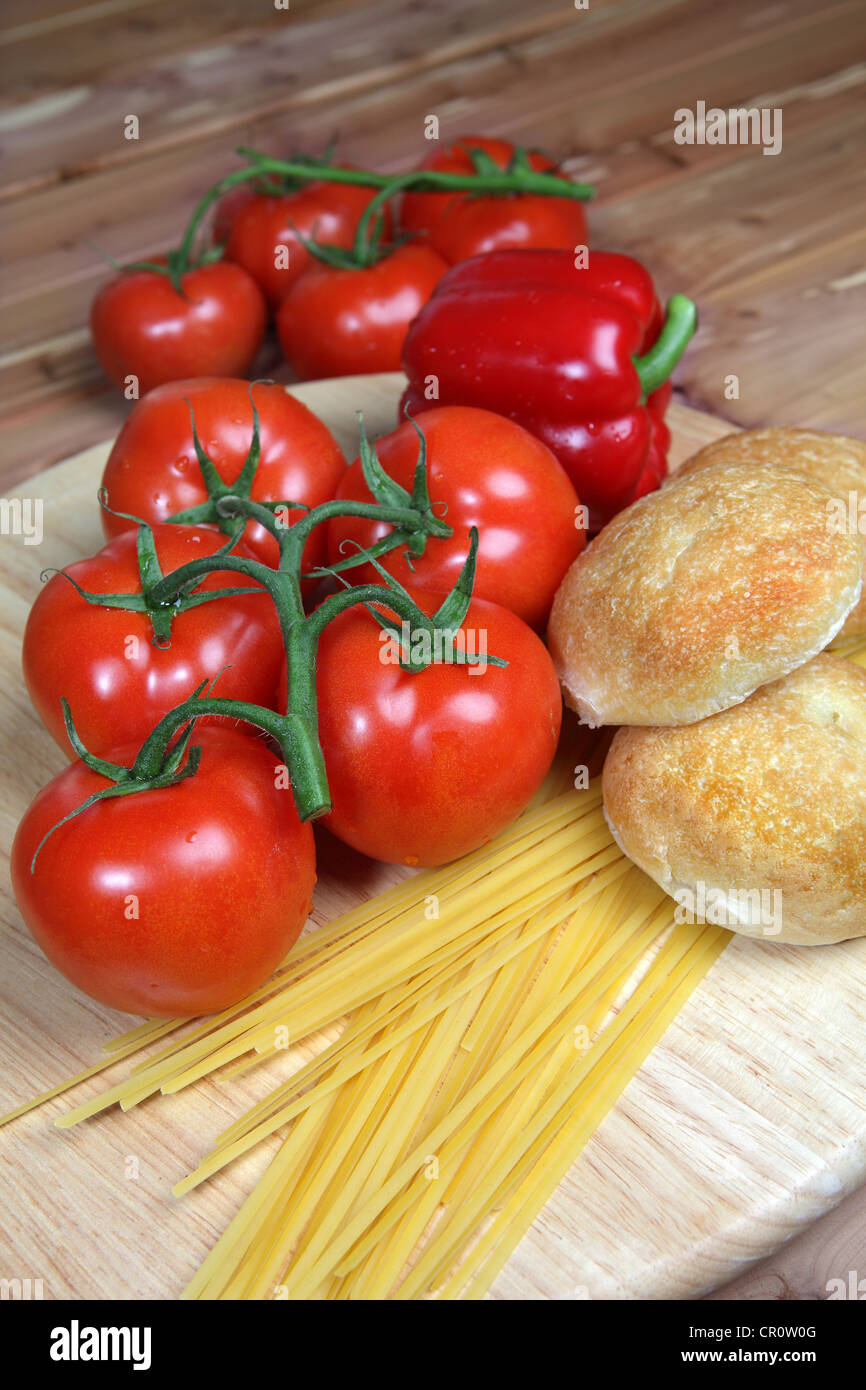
x=486, y=471
x=342, y=322
x=227, y=209
x=117, y=683
x=425, y=766
x=142, y=328
x=172, y=901
x=152, y=470
x=460, y=225
x=261, y=230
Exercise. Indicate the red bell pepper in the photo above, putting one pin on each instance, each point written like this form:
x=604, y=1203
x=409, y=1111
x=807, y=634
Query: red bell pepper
x=579, y=355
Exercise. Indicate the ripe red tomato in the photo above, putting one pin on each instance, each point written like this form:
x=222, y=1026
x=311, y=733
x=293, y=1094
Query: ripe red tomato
x=342, y=322
x=483, y=470
x=458, y=225
x=142, y=327
x=424, y=767
x=170, y=902
x=262, y=229
x=227, y=209
x=152, y=471
x=117, y=683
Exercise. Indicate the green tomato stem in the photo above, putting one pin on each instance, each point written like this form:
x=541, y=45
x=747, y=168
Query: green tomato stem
x=152, y=754
x=517, y=180
x=166, y=593
x=365, y=249
x=401, y=518
x=296, y=731
x=428, y=180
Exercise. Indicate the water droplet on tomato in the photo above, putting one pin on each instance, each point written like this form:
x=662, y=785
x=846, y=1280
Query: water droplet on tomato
x=191, y=836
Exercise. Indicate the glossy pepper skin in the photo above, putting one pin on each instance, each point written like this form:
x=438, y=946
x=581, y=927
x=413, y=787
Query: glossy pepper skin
x=557, y=346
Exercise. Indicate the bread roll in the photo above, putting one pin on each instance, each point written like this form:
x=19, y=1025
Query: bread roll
x=695, y=596
x=761, y=808
x=833, y=459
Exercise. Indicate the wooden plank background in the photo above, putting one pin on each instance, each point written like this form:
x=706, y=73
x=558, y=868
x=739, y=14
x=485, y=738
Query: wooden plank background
x=772, y=248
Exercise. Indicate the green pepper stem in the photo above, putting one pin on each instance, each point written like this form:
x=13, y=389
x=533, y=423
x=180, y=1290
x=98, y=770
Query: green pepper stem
x=657, y=363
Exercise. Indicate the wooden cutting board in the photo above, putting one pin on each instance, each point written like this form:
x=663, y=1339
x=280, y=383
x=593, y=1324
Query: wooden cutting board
x=747, y=1122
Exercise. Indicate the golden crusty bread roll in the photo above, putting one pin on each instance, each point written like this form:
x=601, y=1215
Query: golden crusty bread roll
x=833, y=459
x=755, y=817
x=696, y=595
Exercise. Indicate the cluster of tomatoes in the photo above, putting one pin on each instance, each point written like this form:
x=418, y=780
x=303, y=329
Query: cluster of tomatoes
x=342, y=300
x=181, y=897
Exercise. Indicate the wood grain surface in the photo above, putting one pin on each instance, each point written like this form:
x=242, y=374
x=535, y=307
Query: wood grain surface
x=746, y=1123
x=772, y=248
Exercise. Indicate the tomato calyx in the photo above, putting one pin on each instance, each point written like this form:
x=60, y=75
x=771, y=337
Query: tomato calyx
x=389, y=493
x=230, y=506
x=176, y=264
x=392, y=494
x=170, y=770
x=368, y=248
x=276, y=185
x=173, y=264
x=213, y=512
x=148, y=600
x=421, y=640
x=518, y=167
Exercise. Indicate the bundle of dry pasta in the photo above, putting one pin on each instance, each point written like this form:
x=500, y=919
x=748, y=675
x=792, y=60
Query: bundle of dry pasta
x=455, y=1105
x=483, y=1019
x=391, y=939
x=854, y=649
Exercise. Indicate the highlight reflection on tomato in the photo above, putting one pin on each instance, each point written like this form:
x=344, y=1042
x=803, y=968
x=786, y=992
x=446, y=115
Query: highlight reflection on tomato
x=486, y=471
x=152, y=471
x=143, y=328
x=344, y=322
x=425, y=766
x=175, y=901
